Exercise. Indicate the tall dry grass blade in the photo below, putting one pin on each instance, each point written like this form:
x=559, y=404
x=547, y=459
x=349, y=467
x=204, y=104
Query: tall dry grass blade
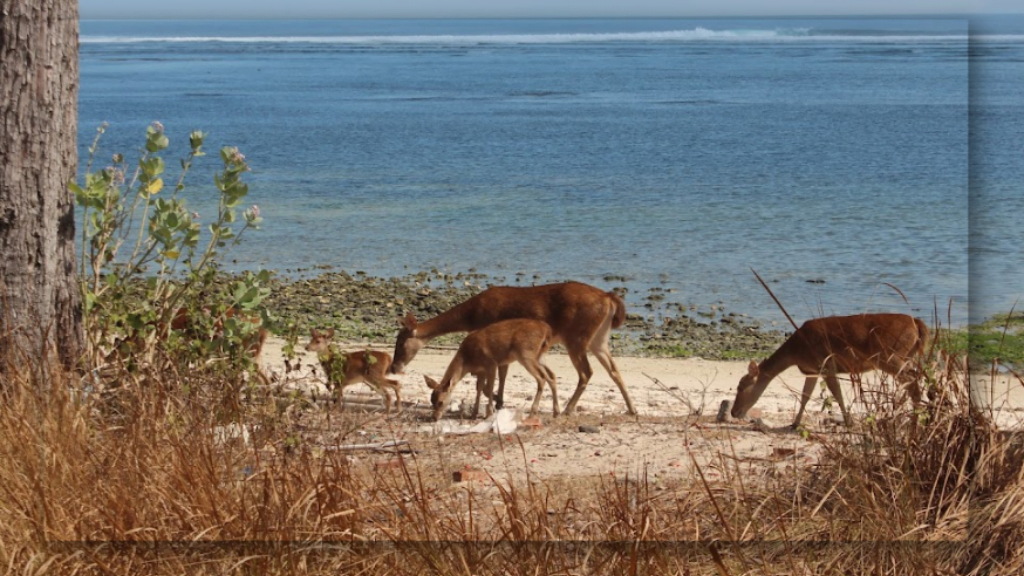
x=772, y=294
x=716, y=558
x=898, y=291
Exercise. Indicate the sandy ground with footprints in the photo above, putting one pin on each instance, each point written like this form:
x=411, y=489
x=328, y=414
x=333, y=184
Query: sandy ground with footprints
x=678, y=400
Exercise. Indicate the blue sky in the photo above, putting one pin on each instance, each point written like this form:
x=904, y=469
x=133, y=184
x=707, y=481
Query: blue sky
x=530, y=8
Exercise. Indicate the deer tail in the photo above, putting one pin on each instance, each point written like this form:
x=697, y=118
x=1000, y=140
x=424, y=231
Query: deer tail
x=620, y=309
x=922, y=337
x=545, y=345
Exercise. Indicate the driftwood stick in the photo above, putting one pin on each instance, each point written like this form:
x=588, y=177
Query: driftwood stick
x=374, y=446
x=367, y=405
x=772, y=294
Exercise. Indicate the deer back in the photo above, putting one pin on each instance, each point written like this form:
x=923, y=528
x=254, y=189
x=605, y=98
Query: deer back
x=573, y=311
x=371, y=365
x=503, y=343
x=182, y=321
x=856, y=343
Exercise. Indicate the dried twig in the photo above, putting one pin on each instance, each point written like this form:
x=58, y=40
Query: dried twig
x=695, y=410
x=772, y=294
x=378, y=446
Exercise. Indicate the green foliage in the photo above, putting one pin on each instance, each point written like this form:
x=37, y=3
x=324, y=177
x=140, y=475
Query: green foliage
x=149, y=271
x=291, y=340
x=990, y=344
x=335, y=363
x=999, y=339
x=669, y=350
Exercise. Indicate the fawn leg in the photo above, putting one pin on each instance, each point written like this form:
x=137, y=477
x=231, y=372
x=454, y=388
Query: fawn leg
x=489, y=391
x=499, y=398
x=604, y=356
x=540, y=372
x=396, y=386
x=481, y=384
x=554, y=389
x=833, y=386
x=582, y=365
x=809, y=383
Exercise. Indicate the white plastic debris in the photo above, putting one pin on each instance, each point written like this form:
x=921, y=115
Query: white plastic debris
x=231, y=433
x=503, y=421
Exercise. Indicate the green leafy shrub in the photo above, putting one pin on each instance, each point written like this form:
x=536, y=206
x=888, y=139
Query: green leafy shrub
x=153, y=293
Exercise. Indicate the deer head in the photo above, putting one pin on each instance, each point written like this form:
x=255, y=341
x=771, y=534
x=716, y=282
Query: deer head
x=440, y=396
x=320, y=341
x=407, y=345
x=749, y=391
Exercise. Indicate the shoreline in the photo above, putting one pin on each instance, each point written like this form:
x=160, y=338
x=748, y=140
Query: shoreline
x=365, y=308
x=660, y=387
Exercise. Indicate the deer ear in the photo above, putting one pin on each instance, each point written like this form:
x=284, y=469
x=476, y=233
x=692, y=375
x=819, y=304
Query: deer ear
x=313, y=332
x=752, y=369
x=409, y=321
x=431, y=383
x=329, y=334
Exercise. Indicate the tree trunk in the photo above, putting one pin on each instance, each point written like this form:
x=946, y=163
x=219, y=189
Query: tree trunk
x=40, y=302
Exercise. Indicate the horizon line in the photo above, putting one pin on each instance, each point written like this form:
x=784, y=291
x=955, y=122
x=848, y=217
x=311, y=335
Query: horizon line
x=872, y=16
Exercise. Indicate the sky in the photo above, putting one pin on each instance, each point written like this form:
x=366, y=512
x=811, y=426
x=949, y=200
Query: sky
x=186, y=9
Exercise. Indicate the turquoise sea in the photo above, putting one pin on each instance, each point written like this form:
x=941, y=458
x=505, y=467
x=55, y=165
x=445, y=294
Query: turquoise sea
x=679, y=154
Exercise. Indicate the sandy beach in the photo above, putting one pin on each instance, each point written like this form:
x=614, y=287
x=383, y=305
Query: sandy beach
x=677, y=399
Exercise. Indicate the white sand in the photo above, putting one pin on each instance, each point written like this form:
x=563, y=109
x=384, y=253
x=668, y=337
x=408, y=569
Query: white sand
x=661, y=441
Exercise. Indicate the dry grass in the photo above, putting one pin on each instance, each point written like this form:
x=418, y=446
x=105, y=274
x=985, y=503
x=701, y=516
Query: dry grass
x=141, y=479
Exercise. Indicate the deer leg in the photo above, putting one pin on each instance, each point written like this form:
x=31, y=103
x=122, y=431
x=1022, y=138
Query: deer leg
x=914, y=389
x=809, y=383
x=331, y=397
x=262, y=376
x=833, y=386
x=489, y=391
x=377, y=384
x=911, y=378
x=383, y=394
x=582, y=365
x=604, y=356
x=499, y=398
x=481, y=386
x=340, y=397
x=904, y=374
x=536, y=369
x=554, y=389
x=396, y=386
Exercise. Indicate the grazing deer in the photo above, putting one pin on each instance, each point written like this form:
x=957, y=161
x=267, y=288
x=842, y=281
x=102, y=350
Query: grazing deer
x=344, y=369
x=581, y=317
x=251, y=343
x=184, y=323
x=840, y=345
x=496, y=346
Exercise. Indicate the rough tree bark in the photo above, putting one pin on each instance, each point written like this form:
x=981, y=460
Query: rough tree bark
x=40, y=303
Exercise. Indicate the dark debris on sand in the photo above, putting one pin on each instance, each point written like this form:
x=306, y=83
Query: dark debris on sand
x=364, y=308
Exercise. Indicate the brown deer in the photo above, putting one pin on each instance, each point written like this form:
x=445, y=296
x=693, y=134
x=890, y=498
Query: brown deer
x=183, y=322
x=840, y=345
x=252, y=343
x=496, y=346
x=581, y=318
x=345, y=369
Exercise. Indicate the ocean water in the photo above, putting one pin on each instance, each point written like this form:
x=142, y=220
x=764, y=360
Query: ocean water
x=678, y=154
x=996, y=162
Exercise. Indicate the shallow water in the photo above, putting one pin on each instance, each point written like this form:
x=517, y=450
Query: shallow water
x=675, y=153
